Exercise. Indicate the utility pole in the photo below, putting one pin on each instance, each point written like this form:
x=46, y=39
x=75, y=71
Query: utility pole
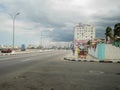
x=13, y=18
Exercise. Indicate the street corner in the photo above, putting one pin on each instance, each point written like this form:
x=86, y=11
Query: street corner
x=79, y=59
x=69, y=58
x=75, y=59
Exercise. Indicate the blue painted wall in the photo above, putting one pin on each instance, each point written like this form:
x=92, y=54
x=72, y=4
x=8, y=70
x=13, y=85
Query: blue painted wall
x=101, y=51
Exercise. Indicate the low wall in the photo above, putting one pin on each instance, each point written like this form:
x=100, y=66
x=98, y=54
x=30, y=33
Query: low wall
x=112, y=52
x=105, y=52
x=98, y=52
x=93, y=51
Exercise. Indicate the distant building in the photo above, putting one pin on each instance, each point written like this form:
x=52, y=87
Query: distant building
x=4, y=46
x=31, y=46
x=60, y=45
x=83, y=33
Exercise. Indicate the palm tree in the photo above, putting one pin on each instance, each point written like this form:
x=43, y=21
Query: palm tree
x=109, y=33
x=117, y=32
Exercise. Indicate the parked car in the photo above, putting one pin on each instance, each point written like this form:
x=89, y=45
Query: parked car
x=6, y=51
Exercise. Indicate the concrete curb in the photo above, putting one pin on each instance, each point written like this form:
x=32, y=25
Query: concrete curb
x=110, y=61
x=89, y=60
x=17, y=53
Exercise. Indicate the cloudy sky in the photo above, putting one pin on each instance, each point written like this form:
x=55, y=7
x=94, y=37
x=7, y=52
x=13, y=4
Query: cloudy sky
x=54, y=19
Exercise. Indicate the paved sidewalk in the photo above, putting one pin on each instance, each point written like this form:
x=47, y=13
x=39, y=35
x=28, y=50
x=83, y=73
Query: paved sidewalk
x=72, y=57
x=89, y=58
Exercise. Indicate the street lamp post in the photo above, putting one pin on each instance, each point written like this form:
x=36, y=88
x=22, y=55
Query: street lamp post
x=13, y=18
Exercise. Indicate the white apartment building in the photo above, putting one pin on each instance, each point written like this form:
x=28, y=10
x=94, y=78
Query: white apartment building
x=84, y=32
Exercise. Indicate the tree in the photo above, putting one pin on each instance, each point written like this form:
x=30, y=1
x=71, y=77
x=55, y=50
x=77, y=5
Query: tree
x=109, y=33
x=117, y=32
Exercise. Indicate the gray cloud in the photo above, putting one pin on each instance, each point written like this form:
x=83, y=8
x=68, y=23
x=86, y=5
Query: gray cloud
x=61, y=15
x=61, y=35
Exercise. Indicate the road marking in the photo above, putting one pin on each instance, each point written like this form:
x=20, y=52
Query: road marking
x=96, y=72
x=26, y=60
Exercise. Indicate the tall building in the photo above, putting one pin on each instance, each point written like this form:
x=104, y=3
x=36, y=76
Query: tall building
x=83, y=33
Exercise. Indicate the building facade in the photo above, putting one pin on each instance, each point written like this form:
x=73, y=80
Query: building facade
x=83, y=33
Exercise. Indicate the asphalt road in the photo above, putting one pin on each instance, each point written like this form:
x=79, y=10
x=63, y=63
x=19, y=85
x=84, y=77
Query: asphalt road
x=49, y=71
